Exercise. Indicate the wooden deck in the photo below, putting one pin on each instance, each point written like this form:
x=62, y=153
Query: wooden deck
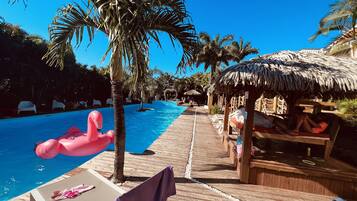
x=203, y=171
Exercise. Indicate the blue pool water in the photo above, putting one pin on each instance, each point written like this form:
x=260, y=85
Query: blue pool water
x=21, y=170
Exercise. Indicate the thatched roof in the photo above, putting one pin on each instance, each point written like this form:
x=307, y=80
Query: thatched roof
x=346, y=36
x=307, y=72
x=341, y=45
x=192, y=92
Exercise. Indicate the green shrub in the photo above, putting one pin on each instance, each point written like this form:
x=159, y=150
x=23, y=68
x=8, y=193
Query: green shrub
x=348, y=106
x=216, y=110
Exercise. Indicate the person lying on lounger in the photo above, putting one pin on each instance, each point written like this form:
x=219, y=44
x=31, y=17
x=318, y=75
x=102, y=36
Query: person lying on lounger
x=260, y=119
x=306, y=124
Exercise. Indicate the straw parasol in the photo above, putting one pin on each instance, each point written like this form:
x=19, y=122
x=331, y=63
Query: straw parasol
x=192, y=92
x=308, y=72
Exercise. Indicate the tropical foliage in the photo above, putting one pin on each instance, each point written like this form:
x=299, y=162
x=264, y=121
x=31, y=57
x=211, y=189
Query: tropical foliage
x=24, y=76
x=214, y=52
x=341, y=17
x=129, y=25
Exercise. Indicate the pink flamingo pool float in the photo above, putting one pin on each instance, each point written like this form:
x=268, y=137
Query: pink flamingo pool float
x=77, y=143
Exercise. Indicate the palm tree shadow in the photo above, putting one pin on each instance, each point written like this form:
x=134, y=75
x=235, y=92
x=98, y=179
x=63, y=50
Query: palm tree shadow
x=214, y=167
x=145, y=153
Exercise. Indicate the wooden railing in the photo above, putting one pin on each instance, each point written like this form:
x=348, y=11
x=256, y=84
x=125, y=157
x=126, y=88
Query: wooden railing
x=276, y=105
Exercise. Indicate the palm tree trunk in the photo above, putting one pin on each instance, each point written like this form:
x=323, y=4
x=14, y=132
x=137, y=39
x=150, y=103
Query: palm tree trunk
x=142, y=100
x=210, y=96
x=116, y=75
x=119, y=130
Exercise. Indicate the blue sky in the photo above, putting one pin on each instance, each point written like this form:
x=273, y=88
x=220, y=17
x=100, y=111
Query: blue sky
x=270, y=26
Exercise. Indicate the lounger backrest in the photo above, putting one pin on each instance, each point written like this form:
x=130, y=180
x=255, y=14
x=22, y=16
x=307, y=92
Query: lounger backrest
x=25, y=104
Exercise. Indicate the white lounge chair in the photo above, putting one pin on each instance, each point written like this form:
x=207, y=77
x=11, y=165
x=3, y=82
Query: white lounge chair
x=104, y=189
x=127, y=100
x=58, y=105
x=83, y=104
x=109, y=102
x=97, y=103
x=26, y=106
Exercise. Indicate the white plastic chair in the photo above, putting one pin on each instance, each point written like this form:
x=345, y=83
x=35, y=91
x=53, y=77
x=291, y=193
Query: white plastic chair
x=25, y=106
x=109, y=102
x=97, y=103
x=58, y=105
x=128, y=100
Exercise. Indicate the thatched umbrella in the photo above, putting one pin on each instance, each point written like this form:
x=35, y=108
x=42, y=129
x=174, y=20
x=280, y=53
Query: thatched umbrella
x=192, y=92
x=297, y=74
x=308, y=72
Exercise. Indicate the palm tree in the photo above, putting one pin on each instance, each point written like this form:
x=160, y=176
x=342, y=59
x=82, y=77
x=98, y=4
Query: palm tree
x=342, y=16
x=212, y=53
x=128, y=25
x=240, y=50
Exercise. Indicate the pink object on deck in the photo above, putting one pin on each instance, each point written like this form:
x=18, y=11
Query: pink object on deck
x=77, y=143
x=72, y=192
x=322, y=128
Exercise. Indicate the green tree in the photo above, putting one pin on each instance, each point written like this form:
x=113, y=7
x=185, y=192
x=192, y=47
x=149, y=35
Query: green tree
x=128, y=25
x=240, y=50
x=213, y=52
x=342, y=16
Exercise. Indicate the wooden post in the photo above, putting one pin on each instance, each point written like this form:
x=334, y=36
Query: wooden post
x=209, y=101
x=247, y=137
x=226, y=112
x=260, y=103
x=275, y=104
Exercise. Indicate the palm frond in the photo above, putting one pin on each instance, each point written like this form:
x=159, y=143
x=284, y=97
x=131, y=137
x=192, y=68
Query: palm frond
x=325, y=30
x=71, y=21
x=225, y=39
x=177, y=29
x=204, y=37
x=342, y=16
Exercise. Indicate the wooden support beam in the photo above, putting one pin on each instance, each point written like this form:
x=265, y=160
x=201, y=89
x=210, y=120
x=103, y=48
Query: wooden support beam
x=226, y=112
x=275, y=104
x=247, y=136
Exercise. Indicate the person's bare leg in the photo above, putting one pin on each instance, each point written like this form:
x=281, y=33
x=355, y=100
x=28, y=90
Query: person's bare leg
x=312, y=123
x=306, y=125
x=300, y=121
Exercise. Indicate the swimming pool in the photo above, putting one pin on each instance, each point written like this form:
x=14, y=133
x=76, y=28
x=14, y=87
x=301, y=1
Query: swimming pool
x=21, y=170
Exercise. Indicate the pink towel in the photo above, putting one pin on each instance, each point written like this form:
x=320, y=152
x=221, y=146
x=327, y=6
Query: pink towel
x=157, y=188
x=71, y=193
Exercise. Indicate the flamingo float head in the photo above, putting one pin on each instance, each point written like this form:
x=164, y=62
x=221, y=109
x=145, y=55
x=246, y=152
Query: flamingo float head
x=96, y=118
x=48, y=149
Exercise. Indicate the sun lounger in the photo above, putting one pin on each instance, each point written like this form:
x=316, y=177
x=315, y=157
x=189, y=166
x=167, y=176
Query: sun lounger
x=324, y=139
x=25, y=106
x=109, y=102
x=128, y=100
x=104, y=189
x=97, y=103
x=157, y=188
x=58, y=105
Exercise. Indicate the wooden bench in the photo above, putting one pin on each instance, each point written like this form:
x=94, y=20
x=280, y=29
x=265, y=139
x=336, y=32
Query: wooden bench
x=327, y=140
